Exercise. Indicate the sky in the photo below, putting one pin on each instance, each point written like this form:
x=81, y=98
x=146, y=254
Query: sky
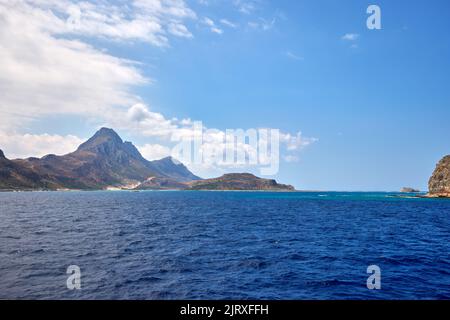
x=357, y=109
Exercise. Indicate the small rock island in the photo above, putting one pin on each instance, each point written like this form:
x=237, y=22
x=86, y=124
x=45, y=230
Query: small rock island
x=409, y=190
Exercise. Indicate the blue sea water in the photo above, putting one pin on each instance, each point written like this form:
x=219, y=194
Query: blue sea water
x=223, y=245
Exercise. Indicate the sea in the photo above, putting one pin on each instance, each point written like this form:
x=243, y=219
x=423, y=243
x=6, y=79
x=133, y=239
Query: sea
x=223, y=245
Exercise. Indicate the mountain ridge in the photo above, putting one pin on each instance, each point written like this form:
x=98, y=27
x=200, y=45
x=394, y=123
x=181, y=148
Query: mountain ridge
x=105, y=161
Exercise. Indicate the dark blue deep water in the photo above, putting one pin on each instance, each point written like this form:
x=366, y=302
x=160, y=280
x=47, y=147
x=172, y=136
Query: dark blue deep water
x=223, y=245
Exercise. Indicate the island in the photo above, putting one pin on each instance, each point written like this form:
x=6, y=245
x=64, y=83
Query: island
x=409, y=190
x=106, y=162
x=239, y=181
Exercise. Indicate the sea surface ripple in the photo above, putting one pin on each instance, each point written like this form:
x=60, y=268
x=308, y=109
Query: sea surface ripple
x=223, y=245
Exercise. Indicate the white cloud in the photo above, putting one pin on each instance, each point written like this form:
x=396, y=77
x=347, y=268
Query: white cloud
x=143, y=20
x=43, y=73
x=212, y=25
x=154, y=151
x=263, y=24
x=350, y=36
x=163, y=8
x=297, y=142
x=245, y=6
x=179, y=30
x=216, y=30
x=26, y=145
x=228, y=23
x=140, y=120
x=208, y=22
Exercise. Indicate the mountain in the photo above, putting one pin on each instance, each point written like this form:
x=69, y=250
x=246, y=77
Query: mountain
x=174, y=169
x=439, y=183
x=106, y=162
x=101, y=162
x=239, y=181
x=13, y=176
x=160, y=183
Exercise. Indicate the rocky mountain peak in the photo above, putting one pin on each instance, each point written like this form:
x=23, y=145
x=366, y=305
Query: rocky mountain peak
x=107, y=132
x=104, y=136
x=132, y=150
x=105, y=161
x=2, y=155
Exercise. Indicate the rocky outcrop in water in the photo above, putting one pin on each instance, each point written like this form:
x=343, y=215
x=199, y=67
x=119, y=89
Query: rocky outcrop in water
x=439, y=183
x=409, y=190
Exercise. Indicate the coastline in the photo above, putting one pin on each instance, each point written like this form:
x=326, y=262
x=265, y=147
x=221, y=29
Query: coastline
x=393, y=194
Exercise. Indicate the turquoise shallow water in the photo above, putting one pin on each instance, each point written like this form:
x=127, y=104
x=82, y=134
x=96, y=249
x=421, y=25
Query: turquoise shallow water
x=223, y=245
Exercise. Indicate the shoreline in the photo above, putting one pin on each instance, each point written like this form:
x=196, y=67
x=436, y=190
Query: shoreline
x=396, y=194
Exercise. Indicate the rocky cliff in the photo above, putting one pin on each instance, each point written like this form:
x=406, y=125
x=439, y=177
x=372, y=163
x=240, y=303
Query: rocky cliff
x=439, y=183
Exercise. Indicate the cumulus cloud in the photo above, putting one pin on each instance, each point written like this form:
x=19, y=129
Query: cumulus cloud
x=142, y=121
x=180, y=30
x=228, y=23
x=144, y=20
x=42, y=72
x=245, y=6
x=42, y=75
x=26, y=145
x=45, y=72
x=212, y=25
x=154, y=151
x=211, y=157
x=214, y=145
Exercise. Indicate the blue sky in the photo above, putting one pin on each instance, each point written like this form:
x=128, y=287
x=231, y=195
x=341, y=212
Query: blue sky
x=377, y=101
